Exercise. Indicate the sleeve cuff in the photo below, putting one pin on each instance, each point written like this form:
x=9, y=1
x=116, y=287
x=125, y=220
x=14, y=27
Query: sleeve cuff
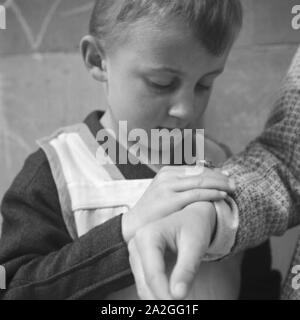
x=227, y=226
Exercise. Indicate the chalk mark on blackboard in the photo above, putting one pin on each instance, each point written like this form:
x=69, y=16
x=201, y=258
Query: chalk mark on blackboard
x=35, y=42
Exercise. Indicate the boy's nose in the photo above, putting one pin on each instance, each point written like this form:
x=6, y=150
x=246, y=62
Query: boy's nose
x=183, y=109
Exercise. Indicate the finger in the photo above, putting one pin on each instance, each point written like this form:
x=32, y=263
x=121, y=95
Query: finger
x=178, y=170
x=191, y=171
x=220, y=182
x=188, y=262
x=186, y=198
x=226, y=173
x=222, y=171
x=216, y=172
x=143, y=290
x=183, y=171
x=196, y=195
x=151, y=246
x=195, y=171
x=173, y=172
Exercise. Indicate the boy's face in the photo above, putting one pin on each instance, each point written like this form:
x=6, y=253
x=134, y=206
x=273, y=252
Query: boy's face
x=161, y=77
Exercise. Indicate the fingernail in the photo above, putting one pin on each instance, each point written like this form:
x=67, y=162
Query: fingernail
x=223, y=194
x=180, y=290
x=226, y=173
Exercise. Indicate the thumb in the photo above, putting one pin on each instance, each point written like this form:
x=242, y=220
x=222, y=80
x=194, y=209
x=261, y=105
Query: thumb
x=190, y=252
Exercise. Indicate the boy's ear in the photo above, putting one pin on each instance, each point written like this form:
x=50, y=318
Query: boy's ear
x=94, y=58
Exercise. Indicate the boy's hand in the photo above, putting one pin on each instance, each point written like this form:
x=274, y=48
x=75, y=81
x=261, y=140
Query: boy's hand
x=172, y=189
x=187, y=233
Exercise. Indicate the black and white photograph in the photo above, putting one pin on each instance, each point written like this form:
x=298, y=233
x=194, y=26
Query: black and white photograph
x=149, y=150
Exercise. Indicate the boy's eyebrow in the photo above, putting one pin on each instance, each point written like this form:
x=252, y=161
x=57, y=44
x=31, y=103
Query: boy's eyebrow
x=179, y=72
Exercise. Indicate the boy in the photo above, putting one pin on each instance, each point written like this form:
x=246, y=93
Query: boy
x=65, y=233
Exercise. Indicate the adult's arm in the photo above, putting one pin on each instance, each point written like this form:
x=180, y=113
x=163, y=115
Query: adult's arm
x=41, y=259
x=268, y=171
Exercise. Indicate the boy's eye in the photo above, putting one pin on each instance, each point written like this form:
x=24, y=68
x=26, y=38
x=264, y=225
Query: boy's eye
x=201, y=87
x=161, y=86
